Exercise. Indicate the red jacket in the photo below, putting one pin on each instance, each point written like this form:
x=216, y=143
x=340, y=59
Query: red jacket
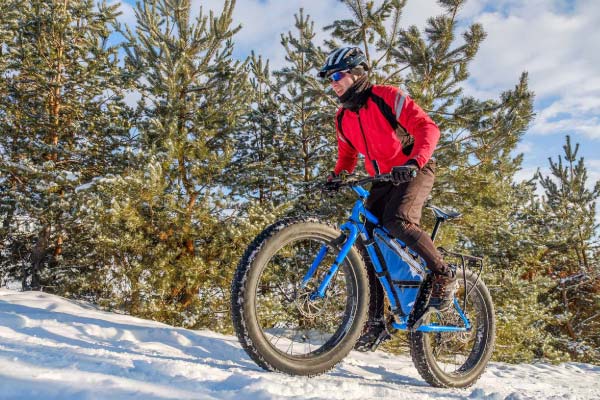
x=370, y=132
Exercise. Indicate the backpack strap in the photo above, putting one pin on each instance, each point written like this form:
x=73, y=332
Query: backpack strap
x=405, y=138
x=386, y=110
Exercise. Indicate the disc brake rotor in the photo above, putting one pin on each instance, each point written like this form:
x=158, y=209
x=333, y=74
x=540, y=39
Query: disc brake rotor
x=310, y=309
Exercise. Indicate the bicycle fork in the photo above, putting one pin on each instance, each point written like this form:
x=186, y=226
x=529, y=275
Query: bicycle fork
x=348, y=240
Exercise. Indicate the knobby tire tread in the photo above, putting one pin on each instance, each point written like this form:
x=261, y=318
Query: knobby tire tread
x=238, y=288
x=420, y=358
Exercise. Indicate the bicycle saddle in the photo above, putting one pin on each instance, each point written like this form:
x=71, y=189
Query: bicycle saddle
x=445, y=215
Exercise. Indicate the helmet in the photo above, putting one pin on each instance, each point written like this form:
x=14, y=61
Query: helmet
x=344, y=58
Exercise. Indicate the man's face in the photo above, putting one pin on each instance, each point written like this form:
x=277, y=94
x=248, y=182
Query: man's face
x=340, y=87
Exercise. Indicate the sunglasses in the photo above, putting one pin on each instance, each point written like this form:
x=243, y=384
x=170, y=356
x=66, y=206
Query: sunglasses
x=336, y=76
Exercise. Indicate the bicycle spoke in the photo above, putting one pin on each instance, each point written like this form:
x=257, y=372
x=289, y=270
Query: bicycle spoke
x=451, y=350
x=285, y=295
x=310, y=323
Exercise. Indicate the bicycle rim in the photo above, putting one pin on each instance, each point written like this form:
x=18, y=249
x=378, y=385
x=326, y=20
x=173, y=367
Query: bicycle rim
x=292, y=324
x=456, y=354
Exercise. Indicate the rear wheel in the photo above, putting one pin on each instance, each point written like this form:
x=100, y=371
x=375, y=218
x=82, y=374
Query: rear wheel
x=276, y=321
x=457, y=359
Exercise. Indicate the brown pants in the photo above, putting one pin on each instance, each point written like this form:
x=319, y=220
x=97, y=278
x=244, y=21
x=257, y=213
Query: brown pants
x=399, y=209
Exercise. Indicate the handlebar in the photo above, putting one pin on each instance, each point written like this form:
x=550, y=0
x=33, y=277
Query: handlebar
x=352, y=181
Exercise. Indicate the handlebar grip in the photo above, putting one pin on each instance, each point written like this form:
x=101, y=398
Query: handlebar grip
x=383, y=177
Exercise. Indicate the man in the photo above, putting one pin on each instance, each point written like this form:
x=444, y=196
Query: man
x=395, y=136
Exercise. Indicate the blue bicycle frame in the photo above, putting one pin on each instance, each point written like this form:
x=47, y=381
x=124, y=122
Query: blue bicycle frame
x=352, y=229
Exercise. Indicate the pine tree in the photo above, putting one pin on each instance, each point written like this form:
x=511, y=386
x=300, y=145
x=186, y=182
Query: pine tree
x=8, y=22
x=256, y=168
x=169, y=233
x=308, y=149
x=569, y=226
x=63, y=123
x=520, y=291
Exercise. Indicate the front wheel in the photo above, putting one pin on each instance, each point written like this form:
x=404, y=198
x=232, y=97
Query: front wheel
x=277, y=322
x=457, y=359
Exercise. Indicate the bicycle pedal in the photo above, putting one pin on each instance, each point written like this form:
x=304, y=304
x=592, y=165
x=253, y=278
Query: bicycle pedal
x=383, y=336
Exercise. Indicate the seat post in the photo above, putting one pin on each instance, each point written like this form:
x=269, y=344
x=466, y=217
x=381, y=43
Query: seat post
x=438, y=222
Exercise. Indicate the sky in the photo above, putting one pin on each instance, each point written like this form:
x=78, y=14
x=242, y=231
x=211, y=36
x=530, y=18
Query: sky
x=555, y=41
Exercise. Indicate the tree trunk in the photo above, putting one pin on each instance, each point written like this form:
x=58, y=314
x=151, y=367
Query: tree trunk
x=38, y=254
x=568, y=323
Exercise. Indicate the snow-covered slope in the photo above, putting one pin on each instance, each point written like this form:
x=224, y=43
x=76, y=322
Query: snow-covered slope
x=52, y=348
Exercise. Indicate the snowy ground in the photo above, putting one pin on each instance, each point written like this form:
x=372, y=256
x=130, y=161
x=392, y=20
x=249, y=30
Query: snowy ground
x=52, y=348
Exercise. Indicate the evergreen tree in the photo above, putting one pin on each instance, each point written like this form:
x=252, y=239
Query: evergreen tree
x=568, y=227
x=63, y=123
x=513, y=250
x=256, y=169
x=308, y=149
x=8, y=22
x=9, y=243
x=169, y=234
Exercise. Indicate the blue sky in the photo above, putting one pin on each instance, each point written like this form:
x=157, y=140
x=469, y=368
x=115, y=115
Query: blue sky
x=556, y=41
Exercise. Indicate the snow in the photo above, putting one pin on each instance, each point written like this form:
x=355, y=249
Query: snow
x=53, y=348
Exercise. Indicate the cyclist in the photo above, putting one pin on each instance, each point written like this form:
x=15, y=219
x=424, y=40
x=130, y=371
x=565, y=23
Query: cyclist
x=395, y=136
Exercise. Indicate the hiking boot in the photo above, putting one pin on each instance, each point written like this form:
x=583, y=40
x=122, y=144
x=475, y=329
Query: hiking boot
x=442, y=291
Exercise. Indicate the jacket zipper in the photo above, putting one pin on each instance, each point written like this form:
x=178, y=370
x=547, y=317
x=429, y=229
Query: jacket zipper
x=375, y=166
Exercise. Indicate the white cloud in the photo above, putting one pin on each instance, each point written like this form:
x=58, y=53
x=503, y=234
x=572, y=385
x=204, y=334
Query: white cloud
x=571, y=114
x=417, y=12
x=579, y=113
x=524, y=147
x=263, y=22
x=524, y=174
x=556, y=50
x=556, y=42
x=127, y=16
x=593, y=168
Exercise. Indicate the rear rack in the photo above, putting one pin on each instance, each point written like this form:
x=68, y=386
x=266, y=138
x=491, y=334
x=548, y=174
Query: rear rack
x=475, y=262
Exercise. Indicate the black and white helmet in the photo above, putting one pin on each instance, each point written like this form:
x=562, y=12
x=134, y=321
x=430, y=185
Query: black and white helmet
x=342, y=59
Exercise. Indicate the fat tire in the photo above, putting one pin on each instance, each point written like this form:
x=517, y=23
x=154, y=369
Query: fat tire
x=243, y=310
x=423, y=358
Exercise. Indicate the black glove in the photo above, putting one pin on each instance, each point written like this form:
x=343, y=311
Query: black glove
x=332, y=183
x=405, y=173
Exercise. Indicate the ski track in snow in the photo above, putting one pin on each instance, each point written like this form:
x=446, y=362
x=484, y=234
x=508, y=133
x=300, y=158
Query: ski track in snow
x=53, y=348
